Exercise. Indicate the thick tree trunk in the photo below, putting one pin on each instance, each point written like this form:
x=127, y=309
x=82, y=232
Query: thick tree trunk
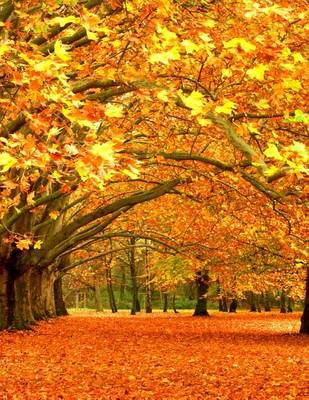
x=48, y=279
x=165, y=302
x=304, y=327
x=37, y=305
x=252, y=301
x=58, y=296
x=4, y=310
x=202, y=284
x=233, y=306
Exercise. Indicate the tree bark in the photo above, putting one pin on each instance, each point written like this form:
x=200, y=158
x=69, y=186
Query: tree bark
x=174, y=303
x=165, y=302
x=110, y=290
x=134, y=308
x=304, y=327
x=223, y=304
x=283, y=302
x=58, y=297
x=202, y=284
x=267, y=306
x=98, y=298
x=3, y=298
x=233, y=306
x=252, y=301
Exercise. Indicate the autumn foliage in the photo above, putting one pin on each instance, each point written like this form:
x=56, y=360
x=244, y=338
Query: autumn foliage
x=157, y=357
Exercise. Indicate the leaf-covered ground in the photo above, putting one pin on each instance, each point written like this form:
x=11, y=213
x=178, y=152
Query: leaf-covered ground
x=242, y=356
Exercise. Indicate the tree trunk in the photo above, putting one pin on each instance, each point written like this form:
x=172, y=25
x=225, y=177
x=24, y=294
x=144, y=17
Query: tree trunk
x=233, y=306
x=202, y=284
x=174, y=303
x=37, y=305
x=267, y=306
x=58, y=296
x=4, y=310
x=48, y=279
x=223, y=304
x=304, y=327
x=148, y=300
x=110, y=290
x=98, y=299
x=282, y=302
x=290, y=305
x=135, y=305
x=123, y=281
x=165, y=302
x=252, y=301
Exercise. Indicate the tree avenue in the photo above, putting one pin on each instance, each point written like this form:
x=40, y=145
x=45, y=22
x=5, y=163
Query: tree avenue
x=106, y=106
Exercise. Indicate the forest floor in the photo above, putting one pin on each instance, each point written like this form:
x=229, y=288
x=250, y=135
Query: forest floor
x=161, y=357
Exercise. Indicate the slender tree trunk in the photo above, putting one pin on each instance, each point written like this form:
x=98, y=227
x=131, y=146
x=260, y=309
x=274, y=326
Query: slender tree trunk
x=148, y=300
x=123, y=281
x=135, y=305
x=252, y=301
x=304, y=327
x=233, y=306
x=110, y=290
x=58, y=297
x=165, y=302
x=174, y=303
x=202, y=284
x=258, y=302
x=283, y=302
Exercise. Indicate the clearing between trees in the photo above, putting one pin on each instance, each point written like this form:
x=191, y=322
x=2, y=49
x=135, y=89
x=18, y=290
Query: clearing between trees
x=242, y=356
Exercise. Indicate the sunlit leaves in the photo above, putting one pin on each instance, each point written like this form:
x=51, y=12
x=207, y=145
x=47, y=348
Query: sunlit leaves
x=273, y=152
x=61, y=52
x=114, y=110
x=293, y=84
x=195, y=101
x=239, y=42
x=6, y=161
x=258, y=72
x=227, y=107
x=104, y=151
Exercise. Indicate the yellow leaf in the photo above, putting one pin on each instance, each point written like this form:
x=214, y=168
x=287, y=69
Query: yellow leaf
x=131, y=173
x=43, y=66
x=242, y=43
x=273, y=152
x=103, y=150
x=293, y=84
x=300, y=149
x=162, y=95
x=257, y=72
x=6, y=161
x=209, y=23
x=30, y=198
x=3, y=49
x=23, y=244
x=263, y=104
x=60, y=51
x=195, y=101
x=38, y=244
x=190, y=46
x=204, y=121
x=114, y=111
x=82, y=170
x=227, y=107
x=91, y=35
x=54, y=214
x=63, y=20
x=165, y=56
x=226, y=73
x=298, y=58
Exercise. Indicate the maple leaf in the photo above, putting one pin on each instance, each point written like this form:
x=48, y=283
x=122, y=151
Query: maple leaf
x=24, y=244
x=38, y=244
x=273, y=152
x=114, y=111
x=190, y=46
x=104, y=150
x=227, y=107
x=54, y=214
x=162, y=95
x=7, y=161
x=195, y=101
x=239, y=42
x=294, y=84
x=61, y=52
x=257, y=72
